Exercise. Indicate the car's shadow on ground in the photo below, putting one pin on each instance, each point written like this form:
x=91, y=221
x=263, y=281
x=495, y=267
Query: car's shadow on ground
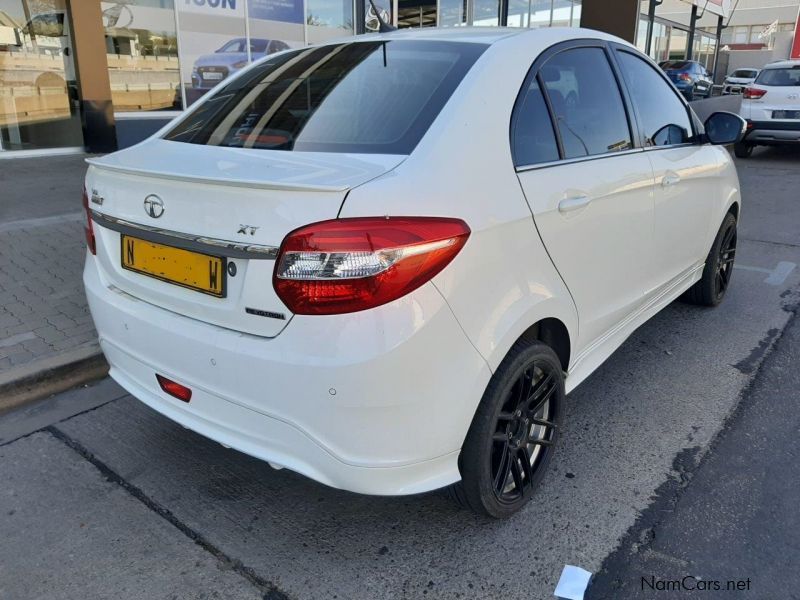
x=623, y=428
x=763, y=154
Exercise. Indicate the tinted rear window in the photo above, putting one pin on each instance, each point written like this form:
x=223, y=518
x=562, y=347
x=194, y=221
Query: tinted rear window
x=780, y=77
x=370, y=97
x=676, y=64
x=744, y=73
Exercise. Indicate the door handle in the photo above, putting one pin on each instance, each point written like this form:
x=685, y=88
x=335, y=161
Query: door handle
x=670, y=179
x=573, y=203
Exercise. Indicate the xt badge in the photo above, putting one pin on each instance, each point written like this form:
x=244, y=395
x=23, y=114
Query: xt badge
x=245, y=229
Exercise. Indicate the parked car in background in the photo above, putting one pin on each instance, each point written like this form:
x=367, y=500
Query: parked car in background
x=346, y=263
x=771, y=107
x=210, y=69
x=690, y=77
x=738, y=80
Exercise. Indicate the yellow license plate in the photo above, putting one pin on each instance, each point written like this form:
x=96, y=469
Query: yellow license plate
x=185, y=268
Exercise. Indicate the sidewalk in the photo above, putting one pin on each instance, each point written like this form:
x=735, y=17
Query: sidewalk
x=45, y=324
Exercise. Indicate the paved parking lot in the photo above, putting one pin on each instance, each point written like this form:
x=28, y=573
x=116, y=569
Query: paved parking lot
x=101, y=496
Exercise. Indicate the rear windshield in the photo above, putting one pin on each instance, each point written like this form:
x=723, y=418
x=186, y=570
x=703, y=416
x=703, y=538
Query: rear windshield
x=744, y=73
x=675, y=64
x=780, y=77
x=364, y=97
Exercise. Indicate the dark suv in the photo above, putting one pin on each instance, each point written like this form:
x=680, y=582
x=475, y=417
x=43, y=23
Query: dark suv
x=690, y=77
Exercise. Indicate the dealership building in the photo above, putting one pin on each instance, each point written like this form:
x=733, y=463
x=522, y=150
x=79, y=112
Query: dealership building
x=97, y=75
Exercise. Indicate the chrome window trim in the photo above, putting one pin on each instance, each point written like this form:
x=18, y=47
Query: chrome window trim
x=206, y=245
x=578, y=159
x=669, y=146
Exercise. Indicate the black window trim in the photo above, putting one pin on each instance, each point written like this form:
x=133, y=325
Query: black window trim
x=533, y=73
x=693, y=139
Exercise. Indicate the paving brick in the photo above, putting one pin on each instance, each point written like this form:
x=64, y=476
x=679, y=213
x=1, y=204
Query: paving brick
x=41, y=289
x=21, y=357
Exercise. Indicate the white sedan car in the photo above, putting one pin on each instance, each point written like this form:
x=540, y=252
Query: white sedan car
x=383, y=262
x=738, y=80
x=771, y=107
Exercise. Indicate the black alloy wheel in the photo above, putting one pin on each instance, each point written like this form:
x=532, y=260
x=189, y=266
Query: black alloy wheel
x=524, y=435
x=725, y=259
x=513, y=435
x=718, y=270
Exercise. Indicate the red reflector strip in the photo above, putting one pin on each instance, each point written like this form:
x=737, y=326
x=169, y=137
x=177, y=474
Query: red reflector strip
x=88, y=228
x=181, y=392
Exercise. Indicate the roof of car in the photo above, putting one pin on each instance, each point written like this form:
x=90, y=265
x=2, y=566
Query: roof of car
x=783, y=64
x=482, y=35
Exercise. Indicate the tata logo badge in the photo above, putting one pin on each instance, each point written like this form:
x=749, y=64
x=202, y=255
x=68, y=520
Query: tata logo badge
x=154, y=206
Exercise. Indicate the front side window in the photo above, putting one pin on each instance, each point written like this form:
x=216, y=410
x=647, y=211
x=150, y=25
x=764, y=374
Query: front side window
x=780, y=77
x=586, y=102
x=663, y=116
x=371, y=97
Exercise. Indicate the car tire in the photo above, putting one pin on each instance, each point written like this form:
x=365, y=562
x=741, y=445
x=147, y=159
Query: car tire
x=517, y=422
x=713, y=285
x=743, y=150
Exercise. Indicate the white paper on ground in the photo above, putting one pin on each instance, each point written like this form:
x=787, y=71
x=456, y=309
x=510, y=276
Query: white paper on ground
x=573, y=583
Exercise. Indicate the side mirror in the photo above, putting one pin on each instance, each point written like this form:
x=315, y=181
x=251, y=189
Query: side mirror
x=725, y=128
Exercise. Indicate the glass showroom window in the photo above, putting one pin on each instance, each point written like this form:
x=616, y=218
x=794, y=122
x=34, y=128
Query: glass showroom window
x=562, y=13
x=486, y=13
x=38, y=87
x=541, y=13
x=454, y=12
x=519, y=13
x=142, y=55
x=327, y=19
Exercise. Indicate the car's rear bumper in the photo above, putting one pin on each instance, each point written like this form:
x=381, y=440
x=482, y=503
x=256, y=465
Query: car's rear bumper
x=773, y=132
x=376, y=402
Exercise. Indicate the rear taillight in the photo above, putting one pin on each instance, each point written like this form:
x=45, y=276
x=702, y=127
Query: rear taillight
x=751, y=93
x=88, y=229
x=347, y=265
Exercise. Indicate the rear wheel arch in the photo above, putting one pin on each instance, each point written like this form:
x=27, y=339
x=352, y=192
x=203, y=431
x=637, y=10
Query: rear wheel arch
x=553, y=333
x=734, y=210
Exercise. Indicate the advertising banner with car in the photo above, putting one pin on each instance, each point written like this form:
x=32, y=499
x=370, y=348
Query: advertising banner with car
x=217, y=40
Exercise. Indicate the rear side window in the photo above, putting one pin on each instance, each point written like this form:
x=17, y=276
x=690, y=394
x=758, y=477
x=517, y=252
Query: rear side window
x=780, y=77
x=663, y=116
x=586, y=101
x=364, y=97
x=534, y=138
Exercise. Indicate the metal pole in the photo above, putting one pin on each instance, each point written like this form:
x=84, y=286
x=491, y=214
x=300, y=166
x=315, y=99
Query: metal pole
x=720, y=27
x=692, y=28
x=503, y=13
x=360, y=16
x=651, y=17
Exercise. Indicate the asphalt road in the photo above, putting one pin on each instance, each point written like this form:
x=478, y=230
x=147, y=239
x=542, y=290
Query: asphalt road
x=100, y=496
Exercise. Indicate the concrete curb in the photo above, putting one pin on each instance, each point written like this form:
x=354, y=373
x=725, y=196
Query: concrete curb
x=51, y=375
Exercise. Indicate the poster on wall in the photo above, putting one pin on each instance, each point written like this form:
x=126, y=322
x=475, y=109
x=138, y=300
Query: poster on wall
x=286, y=11
x=214, y=42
